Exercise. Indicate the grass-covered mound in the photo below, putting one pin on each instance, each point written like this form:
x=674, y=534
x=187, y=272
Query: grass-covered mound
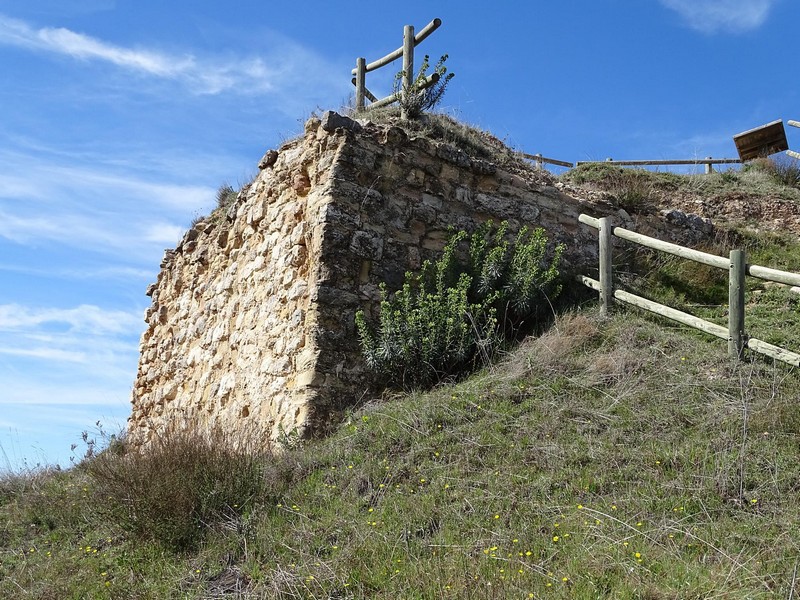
x=620, y=459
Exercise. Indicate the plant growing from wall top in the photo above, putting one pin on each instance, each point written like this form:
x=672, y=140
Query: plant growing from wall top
x=417, y=100
x=453, y=315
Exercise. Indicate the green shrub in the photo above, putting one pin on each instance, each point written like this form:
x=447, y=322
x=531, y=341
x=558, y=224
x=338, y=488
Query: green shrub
x=415, y=101
x=455, y=313
x=179, y=485
x=637, y=190
x=513, y=278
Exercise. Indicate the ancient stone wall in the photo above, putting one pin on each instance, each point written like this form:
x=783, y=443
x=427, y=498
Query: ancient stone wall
x=252, y=317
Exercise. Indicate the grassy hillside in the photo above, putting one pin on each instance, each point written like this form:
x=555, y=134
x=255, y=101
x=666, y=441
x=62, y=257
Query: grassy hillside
x=625, y=458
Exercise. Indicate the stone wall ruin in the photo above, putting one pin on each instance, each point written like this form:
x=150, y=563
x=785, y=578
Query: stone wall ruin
x=252, y=316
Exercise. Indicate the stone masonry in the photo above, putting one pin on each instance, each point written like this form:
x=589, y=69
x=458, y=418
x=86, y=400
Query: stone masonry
x=252, y=317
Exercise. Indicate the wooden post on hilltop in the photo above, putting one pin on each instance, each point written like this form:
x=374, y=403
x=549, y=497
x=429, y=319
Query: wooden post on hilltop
x=408, y=67
x=361, y=77
x=606, y=273
x=736, y=336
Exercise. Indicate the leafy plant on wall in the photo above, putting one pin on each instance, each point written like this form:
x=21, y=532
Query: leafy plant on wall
x=454, y=314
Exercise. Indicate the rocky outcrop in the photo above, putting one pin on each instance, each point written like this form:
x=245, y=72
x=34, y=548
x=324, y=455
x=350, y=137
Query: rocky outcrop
x=252, y=317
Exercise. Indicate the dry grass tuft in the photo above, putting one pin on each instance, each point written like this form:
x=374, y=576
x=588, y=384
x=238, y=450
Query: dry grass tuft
x=549, y=352
x=181, y=484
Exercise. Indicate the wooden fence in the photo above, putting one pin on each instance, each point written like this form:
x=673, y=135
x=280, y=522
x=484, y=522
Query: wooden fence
x=792, y=153
x=708, y=162
x=410, y=41
x=736, y=266
x=541, y=160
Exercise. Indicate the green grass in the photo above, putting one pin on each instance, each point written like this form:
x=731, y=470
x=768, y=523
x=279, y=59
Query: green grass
x=619, y=459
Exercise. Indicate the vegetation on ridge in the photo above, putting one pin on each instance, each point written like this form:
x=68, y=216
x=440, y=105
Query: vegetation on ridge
x=641, y=190
x=415, y=101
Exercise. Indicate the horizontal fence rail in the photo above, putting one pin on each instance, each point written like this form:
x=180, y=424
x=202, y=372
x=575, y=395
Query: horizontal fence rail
x=736, y=266
x=708, y=162
x=542, y=160
x=674, y=314
x=392, y=56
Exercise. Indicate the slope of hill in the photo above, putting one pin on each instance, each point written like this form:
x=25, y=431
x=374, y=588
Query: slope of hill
x=623, y=458
x=618, y=458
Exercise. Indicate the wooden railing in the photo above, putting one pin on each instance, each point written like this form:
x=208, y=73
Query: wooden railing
x=708, y=162
x=410, y=41
x=792, y=153
x=736, y=266
x=542, y=160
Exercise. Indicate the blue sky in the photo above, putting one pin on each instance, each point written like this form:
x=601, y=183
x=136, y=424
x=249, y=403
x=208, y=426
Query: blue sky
x=119, y=120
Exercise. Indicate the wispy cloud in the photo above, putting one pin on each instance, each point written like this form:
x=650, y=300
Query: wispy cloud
x=105, y=273
x=95, y=207
x=713, y=16
x=211, y=75
x=139, y=240
x=79, y=355
x=84, y=318
x=49, y=354
x=163, y=233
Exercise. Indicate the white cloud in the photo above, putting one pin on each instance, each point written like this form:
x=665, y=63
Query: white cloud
x=30, y=179
x=298, y=68
x=164, y=233
x=83, y=390
x=64, y=41
x=105, y=273
x=74, y=230
x=100, y=208
x=61, y=356
x=712, y=16
x=84, y=318
x=48, y=354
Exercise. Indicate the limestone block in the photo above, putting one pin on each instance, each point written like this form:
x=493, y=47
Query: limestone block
x=367, y=244
x=495, y=205
x=308, y=378
x=432, y=201
x=435, y=240
x=256, y=213
x=529, y=213
x=276, y=365
x=298, y=289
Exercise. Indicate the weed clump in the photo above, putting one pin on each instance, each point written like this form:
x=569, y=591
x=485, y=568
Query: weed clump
x=415, y=100
x=636, y=190
x=173, y=490
x=783, y=171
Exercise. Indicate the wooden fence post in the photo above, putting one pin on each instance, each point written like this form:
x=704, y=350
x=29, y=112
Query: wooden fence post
x=408, y=66
x=361, y=75
x=736, y=335
x=606, y=273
